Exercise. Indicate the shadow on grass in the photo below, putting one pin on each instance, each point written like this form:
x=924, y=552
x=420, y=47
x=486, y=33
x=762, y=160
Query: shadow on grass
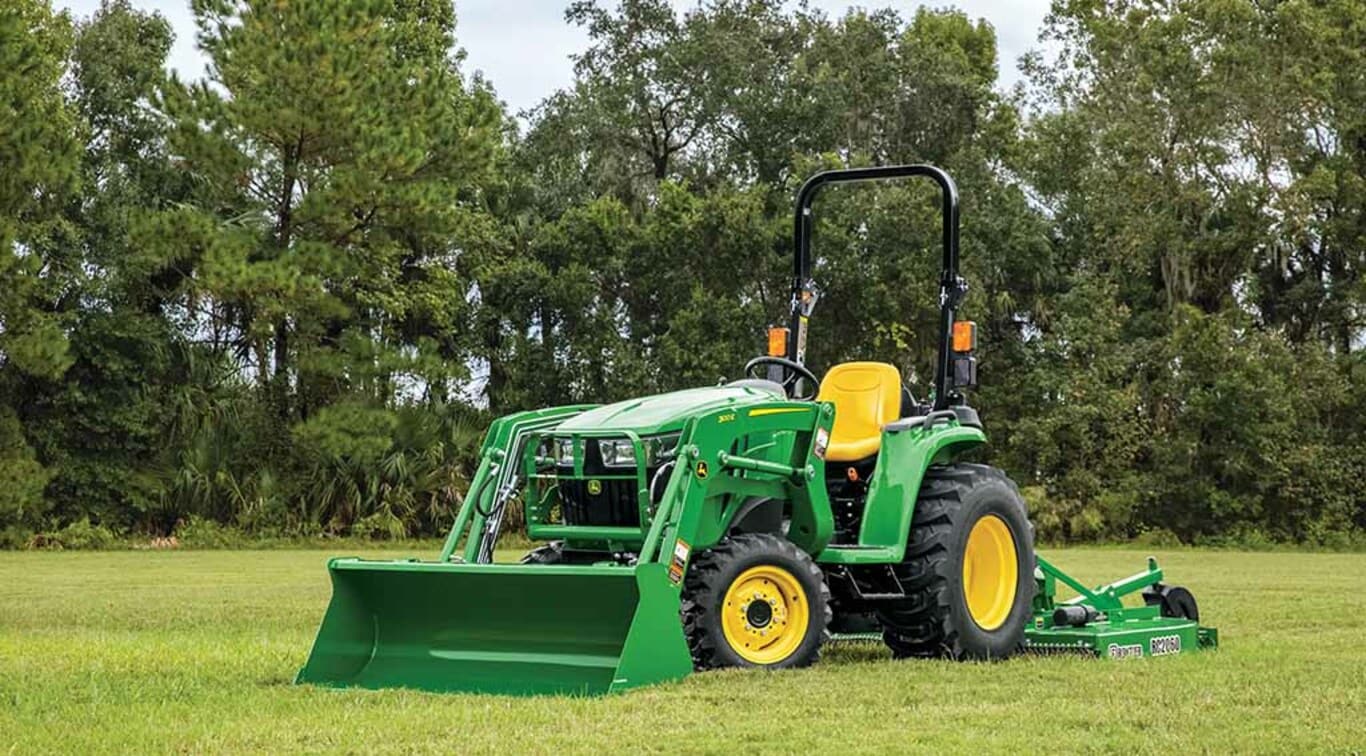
x=854, y=652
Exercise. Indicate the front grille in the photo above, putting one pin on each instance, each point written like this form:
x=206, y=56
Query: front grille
x=615, y=504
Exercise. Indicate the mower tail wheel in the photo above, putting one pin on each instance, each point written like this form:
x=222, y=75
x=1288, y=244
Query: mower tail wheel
x=1175, y=601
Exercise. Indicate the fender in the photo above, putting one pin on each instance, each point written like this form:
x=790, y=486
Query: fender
x=909, y=447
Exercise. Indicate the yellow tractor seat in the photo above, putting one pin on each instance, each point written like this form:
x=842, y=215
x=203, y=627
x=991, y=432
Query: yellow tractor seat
x=867, y=396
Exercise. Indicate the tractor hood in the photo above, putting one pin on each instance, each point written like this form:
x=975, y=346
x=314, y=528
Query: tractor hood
x=666, y=412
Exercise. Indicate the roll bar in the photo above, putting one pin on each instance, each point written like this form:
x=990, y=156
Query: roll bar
x=951, y=286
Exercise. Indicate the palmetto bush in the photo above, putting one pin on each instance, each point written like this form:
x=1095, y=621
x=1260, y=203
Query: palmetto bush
x=351, y=468
x=388, y=472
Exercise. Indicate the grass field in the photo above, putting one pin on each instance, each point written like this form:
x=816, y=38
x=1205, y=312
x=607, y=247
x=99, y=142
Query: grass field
x=195, y=651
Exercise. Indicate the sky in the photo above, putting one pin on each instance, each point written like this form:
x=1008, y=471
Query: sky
x=524, y=46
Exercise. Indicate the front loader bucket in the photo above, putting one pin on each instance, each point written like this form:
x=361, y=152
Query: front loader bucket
x=513, y=629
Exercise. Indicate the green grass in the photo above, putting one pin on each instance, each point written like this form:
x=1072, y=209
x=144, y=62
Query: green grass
x=195, y=651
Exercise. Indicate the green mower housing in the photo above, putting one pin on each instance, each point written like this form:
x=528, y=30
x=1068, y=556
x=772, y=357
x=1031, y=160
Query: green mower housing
x=737, y=525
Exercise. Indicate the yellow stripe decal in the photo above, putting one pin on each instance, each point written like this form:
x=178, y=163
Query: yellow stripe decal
x=776, y=411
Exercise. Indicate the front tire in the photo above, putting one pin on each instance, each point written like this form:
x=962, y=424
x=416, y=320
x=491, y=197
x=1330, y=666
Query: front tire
x=755, y=600
x=968, y=569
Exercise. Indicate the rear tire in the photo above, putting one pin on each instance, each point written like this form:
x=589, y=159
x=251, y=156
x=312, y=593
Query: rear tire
x=977, y=612
x=755, y=600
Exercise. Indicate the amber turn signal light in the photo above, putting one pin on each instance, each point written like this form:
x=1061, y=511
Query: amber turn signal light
x=964, y=336
x=777, y=342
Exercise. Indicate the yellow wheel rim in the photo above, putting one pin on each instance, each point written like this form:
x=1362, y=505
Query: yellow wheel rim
x=764, y=614
x=990, y=572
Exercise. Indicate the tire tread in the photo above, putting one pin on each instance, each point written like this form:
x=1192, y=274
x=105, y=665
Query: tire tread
x=702, y=589
x=922, y=626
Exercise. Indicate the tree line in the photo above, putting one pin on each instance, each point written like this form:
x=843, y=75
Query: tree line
x=287, y=297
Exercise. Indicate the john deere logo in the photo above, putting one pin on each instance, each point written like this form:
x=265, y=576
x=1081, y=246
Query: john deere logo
x=594, y=487
x=702, y=469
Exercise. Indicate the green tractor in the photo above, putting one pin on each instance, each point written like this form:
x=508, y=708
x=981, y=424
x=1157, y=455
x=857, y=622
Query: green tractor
x=740, y=525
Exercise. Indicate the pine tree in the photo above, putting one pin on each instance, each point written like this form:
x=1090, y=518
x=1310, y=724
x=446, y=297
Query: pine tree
x=338, y=157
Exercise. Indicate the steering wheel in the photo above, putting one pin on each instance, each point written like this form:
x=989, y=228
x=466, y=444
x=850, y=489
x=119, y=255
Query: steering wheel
x=794, y=372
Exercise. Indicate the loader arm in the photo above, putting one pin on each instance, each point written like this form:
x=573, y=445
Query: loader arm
x=480, y=515
x=728, y=457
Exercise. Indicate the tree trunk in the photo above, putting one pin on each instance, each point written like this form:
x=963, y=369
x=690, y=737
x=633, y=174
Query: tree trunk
x=284, y=231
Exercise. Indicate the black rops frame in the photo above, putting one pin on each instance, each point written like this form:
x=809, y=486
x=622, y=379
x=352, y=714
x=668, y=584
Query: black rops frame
x=952, y=287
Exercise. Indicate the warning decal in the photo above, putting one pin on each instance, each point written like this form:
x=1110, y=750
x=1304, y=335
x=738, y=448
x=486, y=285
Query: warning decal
x=679, y=562
x=822, y=442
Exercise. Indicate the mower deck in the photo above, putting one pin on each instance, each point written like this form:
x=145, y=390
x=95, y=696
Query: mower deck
x=1124, y=639
x=1097, y=623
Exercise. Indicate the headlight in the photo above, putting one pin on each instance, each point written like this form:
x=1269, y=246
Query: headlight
x=564, y=451
x=617, y=452
x=661, y=448
x=620, y=452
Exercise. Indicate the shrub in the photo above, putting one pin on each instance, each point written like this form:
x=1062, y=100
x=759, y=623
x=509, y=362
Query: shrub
x=22, y=478
x=1157, y=538
x=201, y=533
x=80, y=534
